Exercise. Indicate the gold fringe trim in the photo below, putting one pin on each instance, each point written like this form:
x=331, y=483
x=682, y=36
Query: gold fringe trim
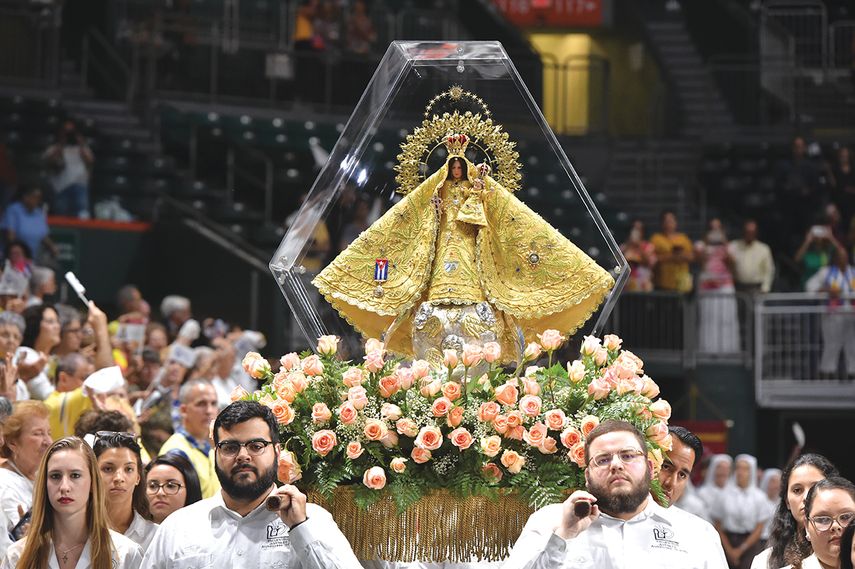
x=439, y=527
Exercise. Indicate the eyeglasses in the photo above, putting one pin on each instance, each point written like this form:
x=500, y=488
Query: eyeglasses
x=254, y=447
x=824, y=523
x=626, y=456
x=169, y=488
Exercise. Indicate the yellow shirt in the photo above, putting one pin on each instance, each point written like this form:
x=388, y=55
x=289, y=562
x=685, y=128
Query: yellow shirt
x=671, y=275
x=65, y=409
x=204, y=464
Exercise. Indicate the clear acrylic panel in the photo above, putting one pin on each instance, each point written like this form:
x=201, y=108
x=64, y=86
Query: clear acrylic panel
x=358, y=184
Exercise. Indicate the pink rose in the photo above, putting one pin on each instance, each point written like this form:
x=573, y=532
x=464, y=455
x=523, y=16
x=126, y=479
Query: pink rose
x=347, y=413
x=576, y=371
x=283, y=412
x=667, y=443
x=420, y=369
x=515, y=418
x=588, y=423
x=455, y=417
x=530, y=405
x=374, y=361
x=570, y=437
x=327, y=345
x=238, y=393
x=288, y=470
x=555, y=419
x=500, y=423
x=323, y=442
x=375, y=345
x=590, y=345
x=313, y=366
x=398, y=465
x=507, y=394
x=405, y=377
x=407, y=427
x=449, y=358
x=441, y=406
x=461, y=438
x=290, y=361
x=256, y=366
x=429, y=438
x=390, y=439
x=513, y=461
x=535, y=435
x=472, y=355
x=625, y=369
x=655, y=456
x=492, y=352
x=298, y=381
x=420, y=455
x=532, y=352
x=577, y=454
x=601, y=356
x=390, y=412
x=451, y=389
x=611, y=342
x=358, y=397
x=515, y=433
x=657, y=432
x=389, y=386
x=626, y=357
x=488, y=411
x=430, y=387
x=625, y=386
x=531, y=386
x=321, y=413
x=491, y=472
x=374, y=478
x=353, y=376
x=661, y=409
x=491, y=445
x=548, y=446
x=551, y=340
x=599, y=388
x=650, y=389
x=283, y=388
x=375, y=429
x=354, y=450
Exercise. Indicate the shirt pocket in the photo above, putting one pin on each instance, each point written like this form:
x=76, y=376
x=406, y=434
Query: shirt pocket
x=196, y=561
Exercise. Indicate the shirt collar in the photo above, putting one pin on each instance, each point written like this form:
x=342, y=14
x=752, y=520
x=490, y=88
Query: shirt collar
x=651, y=510
x=218, y=504
x=202, y=446
x=137, y=527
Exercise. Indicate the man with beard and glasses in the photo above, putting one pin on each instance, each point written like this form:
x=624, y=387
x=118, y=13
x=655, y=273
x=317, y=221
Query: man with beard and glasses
x=234, y=528
x=625, y=527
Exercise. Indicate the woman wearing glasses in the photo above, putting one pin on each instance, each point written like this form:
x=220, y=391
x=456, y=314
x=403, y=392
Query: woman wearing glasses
x=120, y=465
x=69, y=527
x=171, y=484
x=829, y=508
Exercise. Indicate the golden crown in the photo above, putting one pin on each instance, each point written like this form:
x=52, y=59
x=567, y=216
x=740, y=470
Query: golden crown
x=456, y=144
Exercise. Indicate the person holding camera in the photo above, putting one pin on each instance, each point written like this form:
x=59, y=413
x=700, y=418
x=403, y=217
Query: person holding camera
x=71, y=160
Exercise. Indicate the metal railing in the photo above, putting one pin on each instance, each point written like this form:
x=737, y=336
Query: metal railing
x=576, y=94
x=804, y=21
x=840, y=41
x=800, y=340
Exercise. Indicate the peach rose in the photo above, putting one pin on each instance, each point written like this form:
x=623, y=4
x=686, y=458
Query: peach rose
x=599, y=388
x=625, y=370
x=625, y=386
x=354, y=450
x=472, y=355
x=420, y=369
x=650, y=389
x=657, y=432
x=374, y=361
x=601, y=356
x=551, y=340
x=532, y=352
x=313, y=366
x=256, y=366
x=515, y=433
x=441, y=407
x=407, y=427
x=238, y=393
x=284, y=390
x=430, y=387
x=374, y=478
x=667, y=444
x=507, y=394
x=548, y=446
x=288, y=470
x=588, y=423
x=452, y=390
x=347, y=413
x=515, y=418
x=353, y=376
x=405, y=377
x=298, y=381
x=577, y=454
x=429, y=438
x=390, y=439
x=420, y=455
x=535, y=435
x=611, y=342
x=590, y=345
x=576, y=371
x=358, y=397
x=500, y=423
x=375, y=429
x=531, y=371
x=290, y=361
x=461, y=438
x=626, y=356
x=655, y=456
x=390, y=412
x=449, y=358
x=555, y=419
x=375, y=345
x=265, y=398
x=283, y=412
x=488, y=411
x=570, y=437
x=327, y=345
x=491, y=445
x=398, y=465
x=531, y=386
x=530, y=405
x=323, y=442
x=455, y=416
x=389, y=386
x=661, y=409
x=321, y=413
x=513, y=461
x=491, y=472
x=492, y=352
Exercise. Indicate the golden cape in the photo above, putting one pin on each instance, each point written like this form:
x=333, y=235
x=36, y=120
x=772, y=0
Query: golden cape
x=528, y=270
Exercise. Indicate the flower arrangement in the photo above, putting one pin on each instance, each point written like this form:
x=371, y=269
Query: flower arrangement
x=384, y=427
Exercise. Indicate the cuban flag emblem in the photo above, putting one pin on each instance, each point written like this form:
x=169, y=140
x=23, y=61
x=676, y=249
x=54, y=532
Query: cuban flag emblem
x=381, y=270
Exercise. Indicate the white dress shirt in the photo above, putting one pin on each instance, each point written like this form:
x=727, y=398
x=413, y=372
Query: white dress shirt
x=664, y=538
x=761, y=560
x=208, y=535
x=742, y=509
x=752, y=263
x=141, y=531
x=15, y=490
x=126, y=554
